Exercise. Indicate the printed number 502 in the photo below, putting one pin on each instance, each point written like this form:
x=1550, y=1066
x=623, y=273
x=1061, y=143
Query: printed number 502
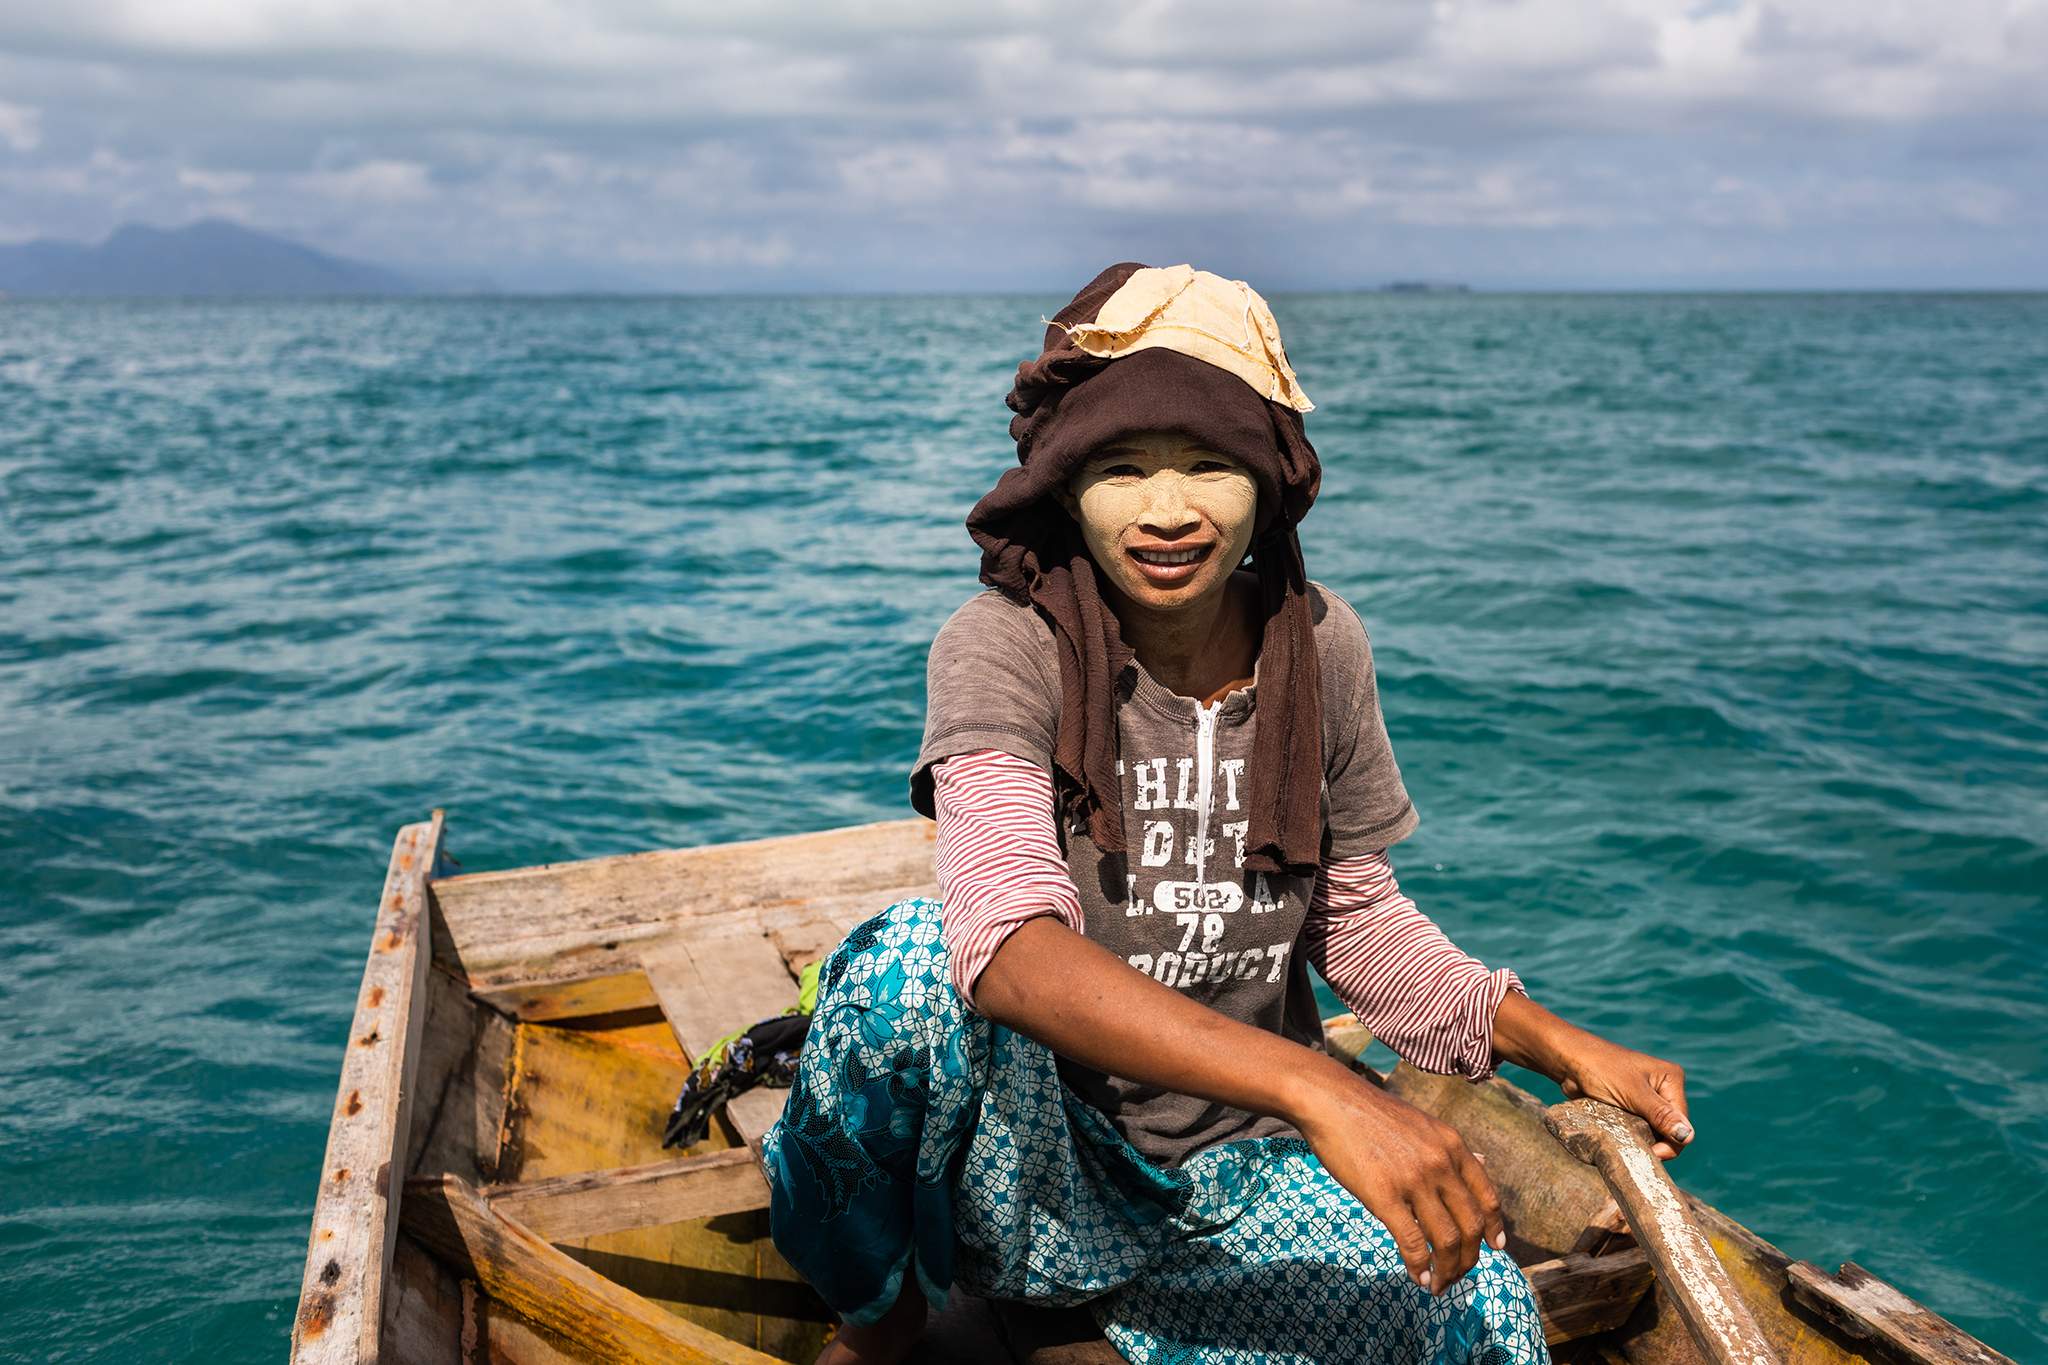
x=1173, y=898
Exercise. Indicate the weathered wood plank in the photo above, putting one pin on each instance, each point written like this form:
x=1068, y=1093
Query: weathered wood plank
x=355, y=1227
x=422, y=1310
x=506, y=1338
x=1872, y=1311
x=1546, y=1195
x=498, y=920
x=1617, y=1144
x=1579, y=1295
x=516, y=1267
x=546, y=1000
x=574, y=954
x=809, y=940
x=653, y=1195
x=459, y=1123
x=594, y=1097
x=1605, y=1230
x=710, y=983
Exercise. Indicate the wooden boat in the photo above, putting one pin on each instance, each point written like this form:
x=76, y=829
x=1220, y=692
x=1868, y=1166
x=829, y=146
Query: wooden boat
x=495, y=1190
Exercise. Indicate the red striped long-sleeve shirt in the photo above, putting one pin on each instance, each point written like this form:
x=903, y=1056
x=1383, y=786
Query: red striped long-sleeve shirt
x=999, y=864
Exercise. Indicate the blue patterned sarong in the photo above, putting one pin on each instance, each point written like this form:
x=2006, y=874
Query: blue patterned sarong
x=920, y=1136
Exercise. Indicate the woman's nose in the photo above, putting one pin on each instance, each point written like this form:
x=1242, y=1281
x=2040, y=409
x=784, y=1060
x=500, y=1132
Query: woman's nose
x=1166, y=506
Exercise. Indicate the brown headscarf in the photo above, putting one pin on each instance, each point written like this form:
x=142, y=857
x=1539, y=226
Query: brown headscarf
x=1069, y=403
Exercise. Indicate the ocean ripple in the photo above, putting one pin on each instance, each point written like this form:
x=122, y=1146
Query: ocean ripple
x=1710, y=630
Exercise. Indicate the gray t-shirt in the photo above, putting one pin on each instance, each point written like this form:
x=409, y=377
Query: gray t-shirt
x=1178, y=905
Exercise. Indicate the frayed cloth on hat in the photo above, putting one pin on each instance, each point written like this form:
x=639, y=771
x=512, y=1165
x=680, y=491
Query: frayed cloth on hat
x=1224, y=322
x=1159, y=363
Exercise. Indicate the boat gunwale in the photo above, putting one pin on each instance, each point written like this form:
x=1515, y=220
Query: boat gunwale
x=607, y=861
x=354, y=1234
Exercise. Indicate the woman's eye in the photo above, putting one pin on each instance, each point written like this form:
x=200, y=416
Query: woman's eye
x=1121, y=471
x=1213, y=467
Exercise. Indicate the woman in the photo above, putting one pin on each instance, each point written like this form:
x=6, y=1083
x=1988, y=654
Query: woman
x=1092, y=1072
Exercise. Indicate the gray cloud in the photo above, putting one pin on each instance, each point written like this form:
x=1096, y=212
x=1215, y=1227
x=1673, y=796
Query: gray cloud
x=1013, y=145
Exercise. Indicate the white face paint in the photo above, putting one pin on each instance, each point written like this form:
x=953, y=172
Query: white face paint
x=1166, y=519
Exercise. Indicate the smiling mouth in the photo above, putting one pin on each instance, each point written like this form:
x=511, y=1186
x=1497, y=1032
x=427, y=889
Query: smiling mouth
x=1166, y=568
x=1171, y=556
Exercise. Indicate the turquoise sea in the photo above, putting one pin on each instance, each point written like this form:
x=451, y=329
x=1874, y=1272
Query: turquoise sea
x=1711, y=634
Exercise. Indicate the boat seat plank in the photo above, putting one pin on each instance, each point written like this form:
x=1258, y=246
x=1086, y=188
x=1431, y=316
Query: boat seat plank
x=515, y=1266
x=806, y=941
x=554, y=1000
x=1580, y=1295
x=1606, y=1230
x=842, y=910
x=498, y=920
x=710, y=982
x=569, y=1207
x=574, y=974
x=355, y=1225
x=1869, y=1309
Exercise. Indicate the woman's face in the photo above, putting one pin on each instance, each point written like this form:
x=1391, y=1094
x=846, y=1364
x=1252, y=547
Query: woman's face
x=1166, y=519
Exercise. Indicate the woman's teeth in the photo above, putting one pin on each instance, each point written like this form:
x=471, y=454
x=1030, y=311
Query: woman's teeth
x=1168, y=556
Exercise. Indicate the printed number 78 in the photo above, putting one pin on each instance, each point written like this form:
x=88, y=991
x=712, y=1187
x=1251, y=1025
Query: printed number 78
x=1210, y=925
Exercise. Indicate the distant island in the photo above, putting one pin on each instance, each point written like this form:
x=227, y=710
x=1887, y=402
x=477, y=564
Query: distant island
x=212, y=258
x=1423, y=287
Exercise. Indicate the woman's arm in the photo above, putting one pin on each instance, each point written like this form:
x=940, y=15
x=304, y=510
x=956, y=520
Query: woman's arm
x=1412, y=1171
x=1443, y=1011
x=997, y=858
x=1028, y=969
x=1433, y=1004
x=1585, y=1064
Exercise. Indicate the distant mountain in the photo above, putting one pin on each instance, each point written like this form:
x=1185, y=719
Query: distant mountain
x=208, y=259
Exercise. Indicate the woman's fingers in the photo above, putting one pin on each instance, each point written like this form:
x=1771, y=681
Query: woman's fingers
x=1664, y=1106
x=1416, y=1175
x=1493, y=1226
x=1453, y=1244
x=1409, y=1241
x=1644, y=1085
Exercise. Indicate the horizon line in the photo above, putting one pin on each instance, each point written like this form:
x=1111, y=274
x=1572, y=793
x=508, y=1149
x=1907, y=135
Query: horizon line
x=1434, y=293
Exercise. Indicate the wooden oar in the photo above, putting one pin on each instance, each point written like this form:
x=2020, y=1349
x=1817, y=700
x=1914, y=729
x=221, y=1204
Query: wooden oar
x=1617, y=1144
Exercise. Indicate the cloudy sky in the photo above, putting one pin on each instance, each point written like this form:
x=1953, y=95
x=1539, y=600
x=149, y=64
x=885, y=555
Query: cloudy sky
x=1002, y=144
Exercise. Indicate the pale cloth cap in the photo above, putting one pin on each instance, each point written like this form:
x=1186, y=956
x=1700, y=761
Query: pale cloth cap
x=1223, y=322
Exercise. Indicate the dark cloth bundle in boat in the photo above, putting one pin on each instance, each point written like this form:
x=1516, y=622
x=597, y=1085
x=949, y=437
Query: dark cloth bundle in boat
x=1181, y=351
x=762, y=1055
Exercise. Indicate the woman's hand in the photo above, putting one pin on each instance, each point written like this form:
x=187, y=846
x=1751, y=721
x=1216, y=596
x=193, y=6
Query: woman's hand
x=1650, y=1086
x=1586, y=1065
x=1412, y=1171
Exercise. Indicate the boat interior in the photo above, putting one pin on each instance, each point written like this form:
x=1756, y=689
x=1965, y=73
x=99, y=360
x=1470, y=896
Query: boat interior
x=495, y=1187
